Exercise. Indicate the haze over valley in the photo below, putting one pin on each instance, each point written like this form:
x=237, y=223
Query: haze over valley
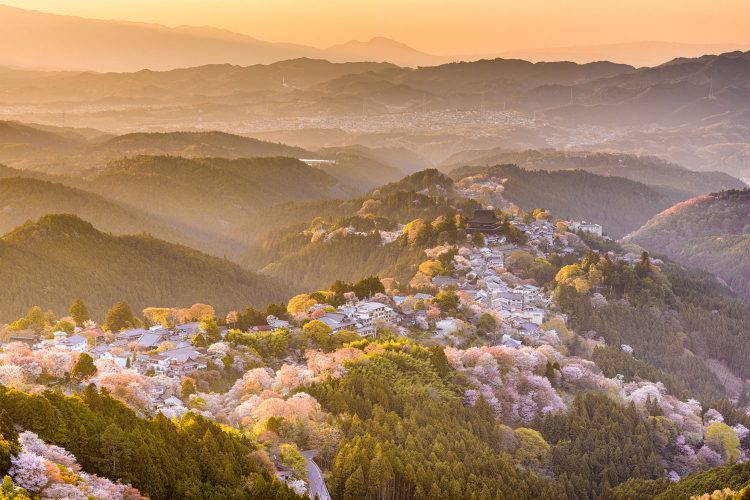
x=245, y=255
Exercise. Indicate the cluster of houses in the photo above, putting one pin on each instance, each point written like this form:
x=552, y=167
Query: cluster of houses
x=521, y=306
x=180, y=358
x=154, y=351
x=363, y=317
x=481, y=276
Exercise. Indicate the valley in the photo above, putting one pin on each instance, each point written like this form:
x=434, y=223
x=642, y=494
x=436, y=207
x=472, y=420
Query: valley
x=237, y=267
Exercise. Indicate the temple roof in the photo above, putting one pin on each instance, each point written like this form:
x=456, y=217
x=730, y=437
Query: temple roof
x=484, y=217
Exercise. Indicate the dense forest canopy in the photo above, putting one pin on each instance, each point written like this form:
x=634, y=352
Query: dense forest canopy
x=59, y=258
x=709, y=232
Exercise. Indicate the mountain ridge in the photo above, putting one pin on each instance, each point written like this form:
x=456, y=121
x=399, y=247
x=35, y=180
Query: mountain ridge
x=709, y=232
x=61, y=257
x=209, y=44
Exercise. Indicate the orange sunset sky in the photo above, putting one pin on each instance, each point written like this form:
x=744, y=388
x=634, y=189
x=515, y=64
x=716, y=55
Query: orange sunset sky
x=439, y=26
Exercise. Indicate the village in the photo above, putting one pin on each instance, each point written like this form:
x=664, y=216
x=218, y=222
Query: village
x=485, y=278
x=482, y=291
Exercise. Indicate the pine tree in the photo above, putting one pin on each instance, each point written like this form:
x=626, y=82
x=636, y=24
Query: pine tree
x=114, y=446
x=188, y=388
x=79, y=312
x=84, y=367
x=119, y=317
x=200, y=341
x=355, y=487
x=211, y=330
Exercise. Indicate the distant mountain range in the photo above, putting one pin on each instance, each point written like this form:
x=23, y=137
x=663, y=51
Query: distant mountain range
x=646, y=53
x=42, y=40
x=40, y=150
x=693, y=112
x=37, y=39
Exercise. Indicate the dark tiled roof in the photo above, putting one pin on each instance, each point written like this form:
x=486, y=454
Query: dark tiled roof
x=484, y=217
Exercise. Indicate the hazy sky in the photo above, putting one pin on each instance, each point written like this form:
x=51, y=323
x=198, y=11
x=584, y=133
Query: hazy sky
x=438, y=26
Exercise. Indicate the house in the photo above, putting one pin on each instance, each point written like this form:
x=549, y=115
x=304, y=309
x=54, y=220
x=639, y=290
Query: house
x=369, y=314
x=172, y=401
x=130, y=335
x=508, y=341
x=399, y=299
x=188, y=329
x=101, y=352
x=511, y=299
x=183, y=354
x=156, y=362
x=586, y=227
x=59, y=337
x=338, y=321
x=76, y=343
x=528, y=328
x=152, y=339
x=184, y=360
x=28, y=337
x=275, y=322
x=534, y=315
x=261, y=328
x=527, y=290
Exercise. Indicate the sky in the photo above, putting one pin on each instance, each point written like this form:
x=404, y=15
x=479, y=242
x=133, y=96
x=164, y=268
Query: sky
x=444, y=27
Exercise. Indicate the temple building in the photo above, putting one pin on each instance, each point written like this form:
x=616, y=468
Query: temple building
x=484, y=221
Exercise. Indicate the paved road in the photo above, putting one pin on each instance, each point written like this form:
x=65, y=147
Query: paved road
x=315, y=477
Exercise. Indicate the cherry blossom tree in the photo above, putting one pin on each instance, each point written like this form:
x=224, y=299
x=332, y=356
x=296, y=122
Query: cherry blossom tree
x=28, y=471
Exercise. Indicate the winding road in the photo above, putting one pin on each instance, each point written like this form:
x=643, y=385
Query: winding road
x=317, y=487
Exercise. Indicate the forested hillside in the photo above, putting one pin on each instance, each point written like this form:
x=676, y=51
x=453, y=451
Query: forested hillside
x=619, y=205
x=212, y=197
x=710, y=232
x=674, y=320
x=189, y=458
x=364, y=281
x=407, y=423
x=649, y=170
x=59, y=258
x=358, y=170
x=365, y=236
x=192, y=145
x=23, y=199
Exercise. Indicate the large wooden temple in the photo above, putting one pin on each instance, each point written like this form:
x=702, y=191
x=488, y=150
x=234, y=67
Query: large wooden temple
x=484, y=221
